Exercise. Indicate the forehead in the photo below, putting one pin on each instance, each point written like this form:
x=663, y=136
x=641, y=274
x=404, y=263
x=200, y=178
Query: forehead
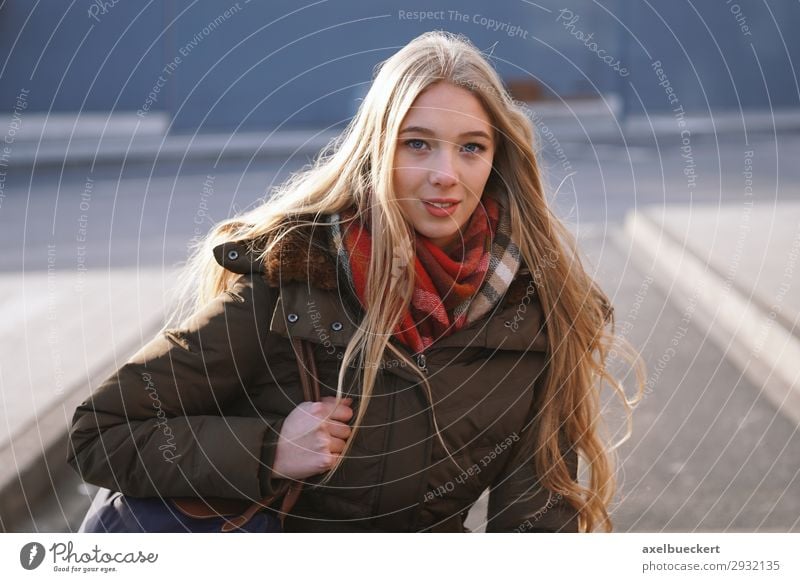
x=441, y=105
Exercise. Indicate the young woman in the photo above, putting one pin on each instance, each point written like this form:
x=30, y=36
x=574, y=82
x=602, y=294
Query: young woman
x=460, y=345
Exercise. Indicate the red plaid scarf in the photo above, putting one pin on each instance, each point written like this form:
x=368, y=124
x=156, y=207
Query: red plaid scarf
x=454, y=286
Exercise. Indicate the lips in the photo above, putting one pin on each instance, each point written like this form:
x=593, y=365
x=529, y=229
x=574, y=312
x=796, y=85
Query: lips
x=441, y=212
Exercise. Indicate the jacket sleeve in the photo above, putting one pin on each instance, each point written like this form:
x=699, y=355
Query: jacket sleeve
x=518, y=502
x=155, y=427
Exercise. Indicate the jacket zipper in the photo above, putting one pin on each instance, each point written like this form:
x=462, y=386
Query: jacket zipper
x=422, y=362
x=421, y=359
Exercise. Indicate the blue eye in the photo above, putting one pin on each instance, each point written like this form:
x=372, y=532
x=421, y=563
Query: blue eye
x=417, y=144
x=478, y=148
x=409, y=143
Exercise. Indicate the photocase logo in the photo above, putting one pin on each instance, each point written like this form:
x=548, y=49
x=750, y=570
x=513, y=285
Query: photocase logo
x=31, y=555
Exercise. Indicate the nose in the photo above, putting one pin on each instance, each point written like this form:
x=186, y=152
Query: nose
x=443, y=172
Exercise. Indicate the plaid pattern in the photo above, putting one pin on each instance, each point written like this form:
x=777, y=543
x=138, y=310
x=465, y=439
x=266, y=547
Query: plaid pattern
x=454, y=286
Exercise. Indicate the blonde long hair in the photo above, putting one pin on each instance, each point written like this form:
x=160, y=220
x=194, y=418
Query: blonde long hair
x=356, y=168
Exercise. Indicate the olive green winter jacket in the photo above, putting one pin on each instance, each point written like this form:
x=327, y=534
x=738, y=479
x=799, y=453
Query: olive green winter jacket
x=198, y=410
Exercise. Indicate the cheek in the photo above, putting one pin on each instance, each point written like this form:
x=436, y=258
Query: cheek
x=482, y=169
x=477, y=173
x=407, y=177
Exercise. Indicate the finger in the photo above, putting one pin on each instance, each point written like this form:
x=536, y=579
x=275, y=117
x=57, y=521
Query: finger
x=333, y=399
x=338, y=430
x=336, y=445
x=324, y=406
x=331, y=411
x=340, y=412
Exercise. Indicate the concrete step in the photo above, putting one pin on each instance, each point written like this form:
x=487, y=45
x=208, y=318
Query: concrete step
x=86, y=324
x=738, y=263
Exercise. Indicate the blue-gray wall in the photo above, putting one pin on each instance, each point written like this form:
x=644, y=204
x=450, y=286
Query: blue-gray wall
x=263, y=64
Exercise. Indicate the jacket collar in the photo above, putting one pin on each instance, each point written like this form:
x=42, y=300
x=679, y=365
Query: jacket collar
x=309, y=305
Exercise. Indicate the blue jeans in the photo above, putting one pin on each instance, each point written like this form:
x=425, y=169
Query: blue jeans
x=113, y=512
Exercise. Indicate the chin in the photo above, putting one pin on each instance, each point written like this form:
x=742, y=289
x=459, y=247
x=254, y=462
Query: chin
x=440, y=235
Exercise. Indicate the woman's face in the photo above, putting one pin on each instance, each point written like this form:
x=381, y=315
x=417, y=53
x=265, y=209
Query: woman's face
x=444, y=155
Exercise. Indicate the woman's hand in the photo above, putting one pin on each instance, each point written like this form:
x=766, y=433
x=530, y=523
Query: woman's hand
x=312, y=437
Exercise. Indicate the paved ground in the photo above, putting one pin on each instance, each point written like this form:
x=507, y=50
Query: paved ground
x=709, y=451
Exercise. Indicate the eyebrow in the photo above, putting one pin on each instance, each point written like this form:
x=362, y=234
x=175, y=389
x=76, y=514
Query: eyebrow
x=426, y=131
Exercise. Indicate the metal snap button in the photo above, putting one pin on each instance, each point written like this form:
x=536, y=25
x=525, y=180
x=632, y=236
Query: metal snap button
x=337, y=326
x=233, y=254
x=292, y=317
